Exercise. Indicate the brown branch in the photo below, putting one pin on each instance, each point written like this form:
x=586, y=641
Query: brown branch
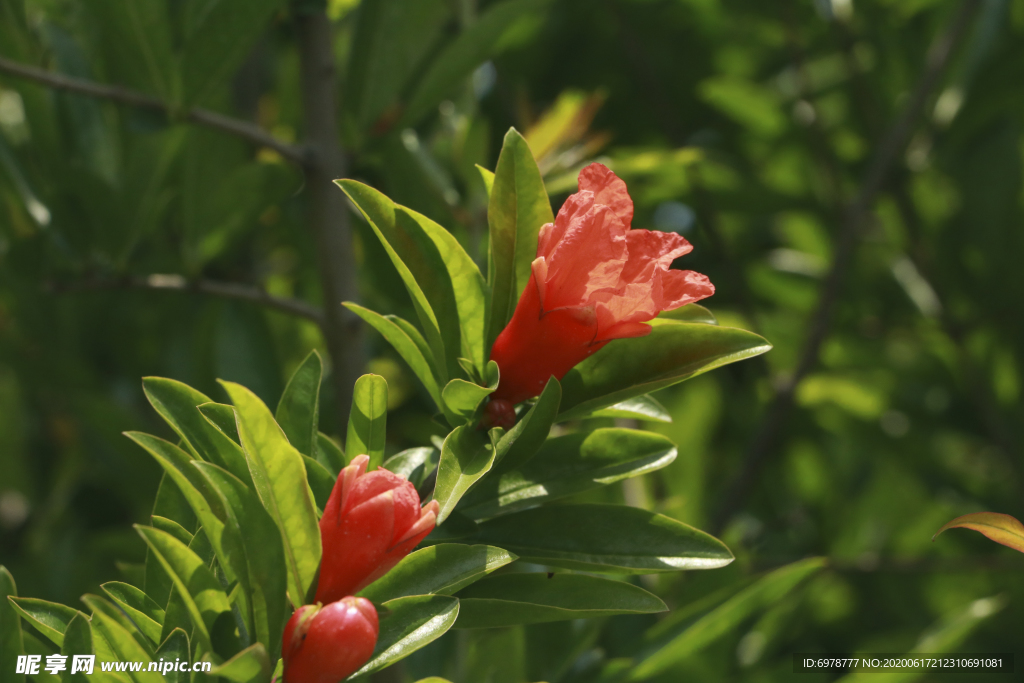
x=133, y=98
x=226, y=290
x=886, y=153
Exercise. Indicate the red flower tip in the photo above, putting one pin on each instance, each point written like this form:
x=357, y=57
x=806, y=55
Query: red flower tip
x=499, y=413
x=371, y=521
x=328, y=644
x=594, y=280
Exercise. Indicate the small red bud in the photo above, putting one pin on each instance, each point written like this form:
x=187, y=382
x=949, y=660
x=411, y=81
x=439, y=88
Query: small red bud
x=499, y=413
x=328, y=644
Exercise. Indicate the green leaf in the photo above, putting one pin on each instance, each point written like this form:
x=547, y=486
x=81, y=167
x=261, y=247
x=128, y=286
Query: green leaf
x=522, y=442
x=220, y=41
x=414, y=464
x=298, y=411
x=465, y=457
x=995, y=526
x=638, y=408
x=691, y=630
x=463, y=399
x=171, y=504
x=330, y=454
x=194, y=582
x=518, y=207
x=612, y=538
x=264, y=551
x=440, y=569
x=367, y=420
x=11, y=643
x=140, y=608
x=279, y=476
x=222, y=417
x=568, y=465
x=177, y=404
x=690, y=313
x=321, y=481
x=511, y=599
x=407, y=625
x=457, y=527
x=49, y=618
x=77, y=641
x=98, y=604
x=173, y=528
x=671, y=353
x=406, y=347
x=174, y=648
x=251, y=665
x=138, y=34
x=488, y=177
x=124, y=646
x=483, y=39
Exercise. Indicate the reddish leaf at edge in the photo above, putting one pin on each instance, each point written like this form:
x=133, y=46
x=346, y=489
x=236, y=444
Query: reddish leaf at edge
x=995, y=526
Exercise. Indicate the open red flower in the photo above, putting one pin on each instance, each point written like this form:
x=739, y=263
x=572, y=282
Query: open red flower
x=372, y=520
x=594, y=280
x=328, y=644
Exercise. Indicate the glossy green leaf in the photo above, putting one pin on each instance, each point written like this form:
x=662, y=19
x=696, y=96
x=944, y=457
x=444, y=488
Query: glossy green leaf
x=414, y=464
x=11, y=644
x=463, y=399
x=298, y=411
x=174, y=648
x=140, y=608
x=171, y=527
x=124, y=646
x=637, y=408
x=97, y=604
x=321, y=481
x=518, y=207
x=404, y=345
x=440, y=569
x=457, y=60
x=264, y=551
x=690, y=313
x=330, y=454
x=171, y=504
x=519, y=444
x=487, y=176
x=367, y=420
x=671, y=353
x=49, y=618
x=279, y=476
x=177, y=404
x=222, y=417
x=251, y=665
x=77, y=641
x=612, y=538
x=457, y=528
x=511, y=599
x=466, y=456
x=219, y=42
x=195, y=583
x=995, y=526
x=571, y=464
x=408, y=624
x=692, y=629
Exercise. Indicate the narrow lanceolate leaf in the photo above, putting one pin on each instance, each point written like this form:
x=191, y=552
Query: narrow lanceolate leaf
x=406, y=347
x=568, y=465
x=690, y=313
x=465, y=457
x=175, y=648
x=49, y=618
x=264, y=551
x=367, y=420
x=518, y=207
x=11, y=644
x=671, y=353
x=512, y=599
x=279, y=476
x=414, y=464
x=440, y=569
x=98, y=604
x=692, y=629
x=330, y=454
x=77, y=641
x=140, y=608
x=177, y=404
x=519, y=444
x=125, y=648
x=251, y=665
x=638, y=408
x=195, y=583
x=298, y=411
x=995, y=526
x=321, y=481
x=611, y=538
x=409, y=623
x=223, y=418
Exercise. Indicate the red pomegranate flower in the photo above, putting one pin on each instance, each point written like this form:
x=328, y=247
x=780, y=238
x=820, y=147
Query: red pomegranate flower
x=371, y=521
x=593, y=280
x=327, y=644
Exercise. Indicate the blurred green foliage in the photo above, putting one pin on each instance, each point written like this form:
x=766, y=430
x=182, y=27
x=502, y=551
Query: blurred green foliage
x=744, y=125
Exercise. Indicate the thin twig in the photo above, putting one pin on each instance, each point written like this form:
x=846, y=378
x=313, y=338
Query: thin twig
x=227, y=290
x=886, y=153
x=115, y=93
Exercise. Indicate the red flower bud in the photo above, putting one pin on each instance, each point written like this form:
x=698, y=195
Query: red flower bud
x=593, y=280
x=328, y=644
x=371, y=521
